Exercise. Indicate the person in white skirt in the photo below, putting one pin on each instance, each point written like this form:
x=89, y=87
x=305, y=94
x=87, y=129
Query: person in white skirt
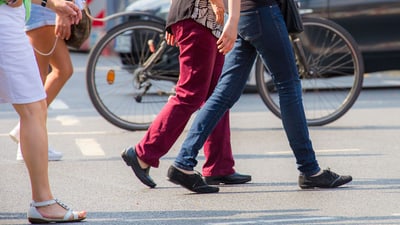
x=20, y=85
x=49, y=51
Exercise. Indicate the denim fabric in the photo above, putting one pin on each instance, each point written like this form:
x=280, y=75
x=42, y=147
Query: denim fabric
x=261, y=31
x=40, y=17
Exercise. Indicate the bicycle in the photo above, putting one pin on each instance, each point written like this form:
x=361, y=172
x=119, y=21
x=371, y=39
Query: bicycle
x=131, y=72
x=331, y=70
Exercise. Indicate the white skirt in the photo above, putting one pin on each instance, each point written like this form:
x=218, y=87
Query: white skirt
x=20, y=81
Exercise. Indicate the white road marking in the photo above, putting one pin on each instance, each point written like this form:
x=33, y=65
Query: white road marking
x=274, y=221
x=83, y=133
x=68, y=120
x=318, y=151
x=75, y=133
x=58, y=104
x=89, y=147
x=391, y=82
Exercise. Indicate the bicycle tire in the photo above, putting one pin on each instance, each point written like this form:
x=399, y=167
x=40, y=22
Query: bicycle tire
x=337, y=78
x=114, y=79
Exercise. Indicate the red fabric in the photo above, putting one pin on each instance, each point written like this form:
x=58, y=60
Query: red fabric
x=200, y=68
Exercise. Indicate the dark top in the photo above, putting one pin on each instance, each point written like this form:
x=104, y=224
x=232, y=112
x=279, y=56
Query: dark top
x=183, y=9
x=251, y=4
x=179, y=10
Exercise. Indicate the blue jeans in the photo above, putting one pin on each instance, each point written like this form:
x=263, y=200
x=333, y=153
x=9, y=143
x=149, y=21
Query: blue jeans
x=261, y=31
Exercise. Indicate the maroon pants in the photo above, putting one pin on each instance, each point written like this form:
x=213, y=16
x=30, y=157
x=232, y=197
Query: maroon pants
x=200, y=68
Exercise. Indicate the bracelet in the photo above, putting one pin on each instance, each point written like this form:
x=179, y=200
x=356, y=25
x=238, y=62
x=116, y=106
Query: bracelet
x=44, y=3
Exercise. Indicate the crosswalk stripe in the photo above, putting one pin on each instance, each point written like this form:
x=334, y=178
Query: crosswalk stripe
x=68, y=120
x=317, y=151
x=89, y=147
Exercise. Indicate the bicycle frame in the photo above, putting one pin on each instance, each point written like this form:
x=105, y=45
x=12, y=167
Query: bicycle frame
x=299, y=52
x=142, y=15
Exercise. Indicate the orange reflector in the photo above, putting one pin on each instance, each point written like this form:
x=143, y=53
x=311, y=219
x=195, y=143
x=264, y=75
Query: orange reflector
x=110, y=76
x=150, y=43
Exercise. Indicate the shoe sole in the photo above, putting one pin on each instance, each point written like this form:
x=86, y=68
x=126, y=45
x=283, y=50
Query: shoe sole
x=46, y=220
x=217, y=182
x=333, y=185
x=54, y=158
x=198, y=191
x=51, y=158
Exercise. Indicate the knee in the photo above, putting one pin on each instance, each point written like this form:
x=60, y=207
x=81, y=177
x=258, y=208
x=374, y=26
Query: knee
x=67, y=72
x=32, y=110
x=188, y=99
x=64, y=73
x=191, y=104
x=225, y=99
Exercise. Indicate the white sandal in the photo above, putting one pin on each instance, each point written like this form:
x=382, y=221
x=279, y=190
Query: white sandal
x=35, y=217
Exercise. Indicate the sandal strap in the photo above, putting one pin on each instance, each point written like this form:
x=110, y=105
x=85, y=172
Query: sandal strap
x=67, y=216
x=62, y=204
x=44, y=203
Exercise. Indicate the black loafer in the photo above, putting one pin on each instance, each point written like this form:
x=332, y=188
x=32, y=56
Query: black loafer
x=193, y=182
x=130, y=158
x=235, y=178
x=327, y=179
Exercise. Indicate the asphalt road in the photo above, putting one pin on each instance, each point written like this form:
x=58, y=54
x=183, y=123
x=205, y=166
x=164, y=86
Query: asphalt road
x=92, y=176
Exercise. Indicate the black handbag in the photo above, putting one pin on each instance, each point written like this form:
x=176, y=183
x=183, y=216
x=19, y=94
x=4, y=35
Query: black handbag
x=291, y=15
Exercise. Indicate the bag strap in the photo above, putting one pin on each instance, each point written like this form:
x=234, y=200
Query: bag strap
x=51, y=50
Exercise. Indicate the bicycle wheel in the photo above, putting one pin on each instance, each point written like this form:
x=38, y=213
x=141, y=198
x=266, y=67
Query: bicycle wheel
x=334, y=80
x=121, y=90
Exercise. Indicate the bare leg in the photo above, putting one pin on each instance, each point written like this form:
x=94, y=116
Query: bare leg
x=34, y=149
x=34, y=146
x=43, y=39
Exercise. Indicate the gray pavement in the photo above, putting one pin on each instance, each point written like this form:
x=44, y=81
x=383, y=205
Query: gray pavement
x=387, y=79
x=92, y=176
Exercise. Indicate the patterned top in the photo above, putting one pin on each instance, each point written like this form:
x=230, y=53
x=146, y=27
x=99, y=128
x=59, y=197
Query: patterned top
x=204, y=15
x=198, y=10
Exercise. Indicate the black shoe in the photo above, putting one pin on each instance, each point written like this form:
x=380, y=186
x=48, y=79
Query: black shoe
x=193, y=182
x=327, y=179
x=235, y=178
x=130, y=158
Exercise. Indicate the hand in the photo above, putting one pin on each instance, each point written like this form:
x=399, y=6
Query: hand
x=67, y=9
x=63, y=27
x=170, y=38
x=228, y=37
x=218, y=8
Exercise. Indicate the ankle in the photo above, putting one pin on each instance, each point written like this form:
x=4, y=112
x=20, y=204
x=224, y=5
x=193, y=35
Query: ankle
x=142, y=164
x=317, y=174
x=189, y=172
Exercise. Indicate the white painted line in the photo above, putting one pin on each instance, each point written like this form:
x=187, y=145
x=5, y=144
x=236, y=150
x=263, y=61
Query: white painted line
x=274, y=221
x=392, y=82
x=68, y=120
x=83, y=133
x=58, y=104
x=396, y=214
x=75, y=133
x=318, y=151
x=89, y=147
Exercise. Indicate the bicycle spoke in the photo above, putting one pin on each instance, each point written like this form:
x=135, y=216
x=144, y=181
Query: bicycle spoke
x=334, y=81
x=135, y=94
